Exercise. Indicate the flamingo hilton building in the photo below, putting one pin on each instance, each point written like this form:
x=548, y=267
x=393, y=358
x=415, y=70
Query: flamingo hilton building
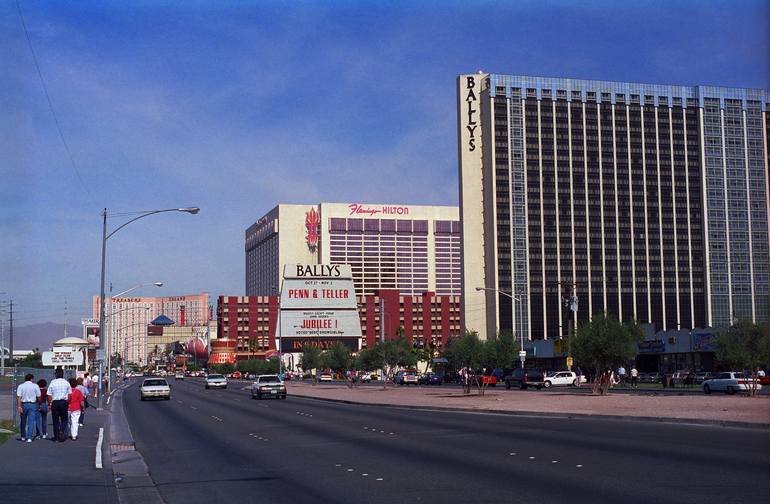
x=408, y=248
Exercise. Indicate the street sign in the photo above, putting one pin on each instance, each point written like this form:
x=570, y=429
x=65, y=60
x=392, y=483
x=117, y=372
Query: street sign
x=101, y=354
x=569, y=361
x=63, y=356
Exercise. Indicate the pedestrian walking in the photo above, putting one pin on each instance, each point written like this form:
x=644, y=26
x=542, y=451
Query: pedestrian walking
x=634, y=377
x=75, y=408
x=579, y=374
x=83, y=390
x=89, y=383
x=622, y=375
x=26, y=402
x=59, y=391
x=41, y=420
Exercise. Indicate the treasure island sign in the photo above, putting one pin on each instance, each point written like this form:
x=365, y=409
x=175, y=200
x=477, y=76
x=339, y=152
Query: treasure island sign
x=318, y=307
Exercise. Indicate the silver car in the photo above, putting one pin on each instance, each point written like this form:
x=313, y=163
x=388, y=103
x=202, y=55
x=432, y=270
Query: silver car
x=268, y=386
x=155, y=388
x=216, y=381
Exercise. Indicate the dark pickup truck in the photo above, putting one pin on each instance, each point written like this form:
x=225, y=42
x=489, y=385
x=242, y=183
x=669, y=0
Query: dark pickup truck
x=525, y=377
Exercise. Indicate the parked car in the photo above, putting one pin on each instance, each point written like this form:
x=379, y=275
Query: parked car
x=155, y=388
x=325, y=377
x=216, y=381
x=362, y=377
x=179, y=375
x=268, y=386
x=729, y=382
x=488, y=380
x=430, y=379
x=524, y=378
x=406, y=377
x=560, y=378
x=701, y=377
x=649, y=377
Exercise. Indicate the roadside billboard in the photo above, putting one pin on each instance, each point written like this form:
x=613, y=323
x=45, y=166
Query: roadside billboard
x=63, y=356
x=318, y=307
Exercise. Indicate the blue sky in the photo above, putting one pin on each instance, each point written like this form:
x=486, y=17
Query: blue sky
x=236, y=106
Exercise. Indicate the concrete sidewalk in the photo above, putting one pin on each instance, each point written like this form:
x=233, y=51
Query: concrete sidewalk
x=715, y=408
x=48, y=471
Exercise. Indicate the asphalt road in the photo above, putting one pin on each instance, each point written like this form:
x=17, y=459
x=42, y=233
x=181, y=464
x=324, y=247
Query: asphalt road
x=221, y=446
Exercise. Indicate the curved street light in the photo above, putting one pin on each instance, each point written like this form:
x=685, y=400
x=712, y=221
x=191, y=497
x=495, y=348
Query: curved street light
x=517, y=299
x=105, y=237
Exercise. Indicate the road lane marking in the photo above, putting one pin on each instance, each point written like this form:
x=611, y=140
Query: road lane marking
x=531, y=458
x=365, y=474
x=512, y=453
x=579, y=465
x=350, y=470
x=337, y=465
x=98, y=461
x=554, y=461
x=379, y=479
x=216, y=418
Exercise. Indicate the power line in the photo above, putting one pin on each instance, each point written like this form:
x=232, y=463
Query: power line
x=50, y=104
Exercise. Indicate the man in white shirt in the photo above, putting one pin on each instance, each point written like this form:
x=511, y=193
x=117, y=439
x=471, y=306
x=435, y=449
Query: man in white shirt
x=59, y=390
x=622, y=375
x=634, y=377
x=26, y=401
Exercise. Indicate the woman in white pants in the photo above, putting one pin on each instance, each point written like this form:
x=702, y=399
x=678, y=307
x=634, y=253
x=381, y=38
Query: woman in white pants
x=76, y=400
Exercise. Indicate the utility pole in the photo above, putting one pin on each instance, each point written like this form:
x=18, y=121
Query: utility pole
x=10, y=343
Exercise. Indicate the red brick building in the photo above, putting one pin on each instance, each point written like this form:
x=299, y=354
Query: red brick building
x=251, y=321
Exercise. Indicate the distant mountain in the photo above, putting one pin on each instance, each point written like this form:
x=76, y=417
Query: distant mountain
x=40, y=336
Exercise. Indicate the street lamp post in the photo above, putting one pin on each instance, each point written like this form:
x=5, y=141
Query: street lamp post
x=105, y=237
x=516, y=299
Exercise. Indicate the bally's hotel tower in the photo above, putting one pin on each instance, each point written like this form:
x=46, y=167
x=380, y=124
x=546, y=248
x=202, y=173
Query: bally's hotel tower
x=648, y=202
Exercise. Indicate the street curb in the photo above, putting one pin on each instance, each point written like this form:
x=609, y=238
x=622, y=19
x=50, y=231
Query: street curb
x=132, y=476
x=570, y=415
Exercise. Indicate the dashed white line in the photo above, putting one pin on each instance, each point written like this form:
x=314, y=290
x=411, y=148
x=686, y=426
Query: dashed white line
x=350, y=470
x=193, y=407
x=98, y=461
x=379, y=479
x=579, y=465
x=531, y=458
x=554, y=461
x=364, y=474
x=512, y=453
x=337, y=465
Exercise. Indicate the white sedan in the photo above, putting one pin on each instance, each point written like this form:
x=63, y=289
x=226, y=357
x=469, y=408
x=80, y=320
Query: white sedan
x=729, y=382
x=216, y=381
x=155, y=387
x=560, y=378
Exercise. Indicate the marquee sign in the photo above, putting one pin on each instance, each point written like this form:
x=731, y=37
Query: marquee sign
x=63, y=356
x=318, y=303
